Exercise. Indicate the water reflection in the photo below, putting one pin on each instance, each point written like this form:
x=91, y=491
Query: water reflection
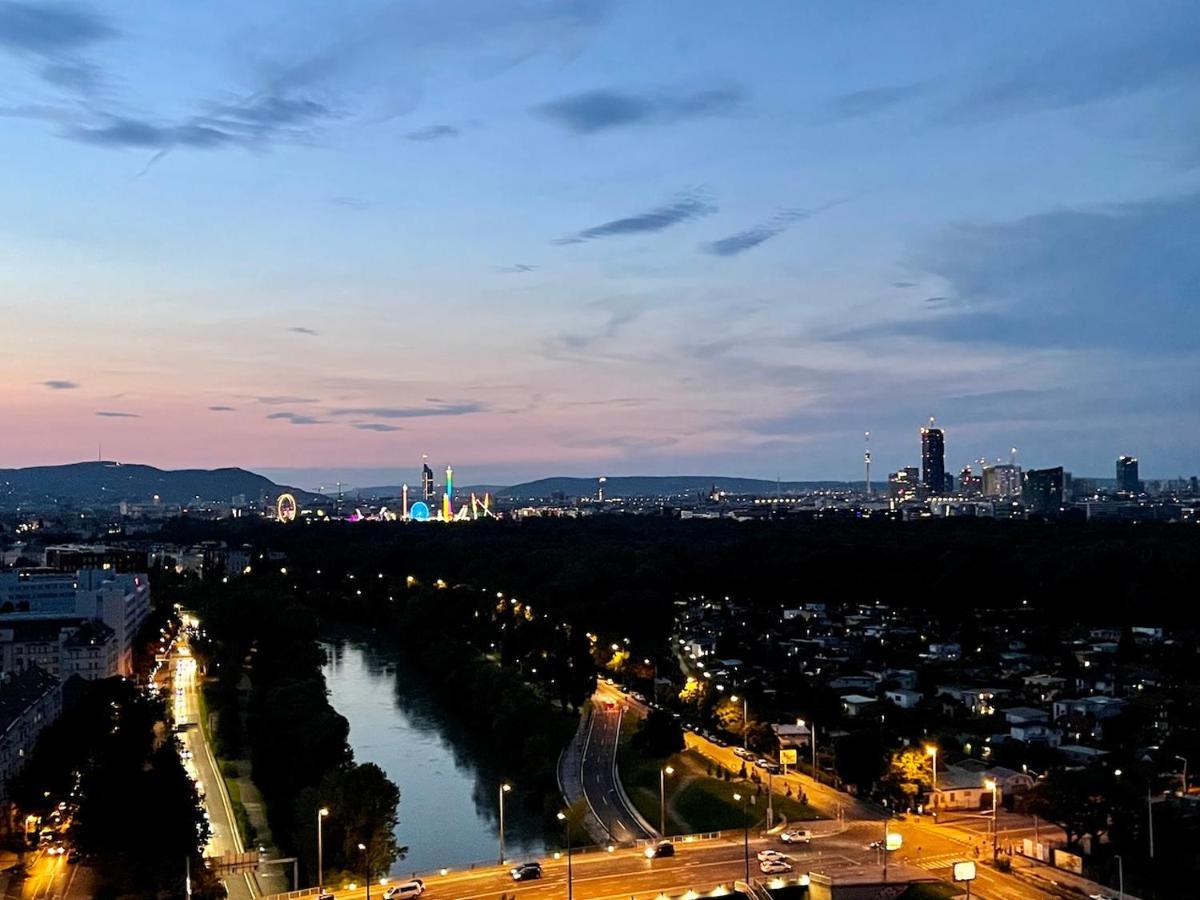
x=448, y=785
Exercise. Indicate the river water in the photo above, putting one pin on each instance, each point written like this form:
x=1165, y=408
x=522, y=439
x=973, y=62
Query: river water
x=449, y=803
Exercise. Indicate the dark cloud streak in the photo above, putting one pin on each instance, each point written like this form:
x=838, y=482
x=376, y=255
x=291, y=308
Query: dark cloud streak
x=600, y=110
x=684, y=209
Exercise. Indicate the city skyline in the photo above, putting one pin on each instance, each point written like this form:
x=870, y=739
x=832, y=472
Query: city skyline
x=597, y=238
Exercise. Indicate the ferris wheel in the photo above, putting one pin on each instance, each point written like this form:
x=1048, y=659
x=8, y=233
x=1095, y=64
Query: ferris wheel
x=285, y=508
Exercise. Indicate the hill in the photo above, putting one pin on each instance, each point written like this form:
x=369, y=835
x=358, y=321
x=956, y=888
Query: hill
x=111, y=482
x=666, y=486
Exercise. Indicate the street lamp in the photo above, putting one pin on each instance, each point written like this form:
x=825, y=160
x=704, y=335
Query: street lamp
x=662, y=799
x=504, y=789
x=931, y=749
x=1183, y=760
x=322, y=813
x=562, y=817
x=812, y=742
x=366, y=868
x=745, y=719
x=745, y=831
x=992, y=786
x=1120, y=877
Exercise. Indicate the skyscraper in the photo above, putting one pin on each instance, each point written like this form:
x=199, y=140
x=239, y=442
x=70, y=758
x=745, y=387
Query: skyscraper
x=427, y=489
x=1043, y=490
x=933, y=459
x=1127, y=475
x=1002, y=480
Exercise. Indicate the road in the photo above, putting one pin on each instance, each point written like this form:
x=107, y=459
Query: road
x=202, y=766
x=598, y=763
x=53, y=878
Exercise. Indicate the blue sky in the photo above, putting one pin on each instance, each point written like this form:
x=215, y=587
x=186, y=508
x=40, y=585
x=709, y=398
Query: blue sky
x=580, y=237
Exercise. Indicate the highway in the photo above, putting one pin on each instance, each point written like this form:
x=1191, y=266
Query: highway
x=599, y=777
x=202, y=766
x=53, y=878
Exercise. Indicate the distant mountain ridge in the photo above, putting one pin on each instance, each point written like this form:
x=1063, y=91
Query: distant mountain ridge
x=112, y=482
x=667, y=485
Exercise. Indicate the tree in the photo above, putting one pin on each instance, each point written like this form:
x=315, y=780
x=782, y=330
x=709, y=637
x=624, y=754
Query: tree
x=1079, y=801
x=908, y=774
x=659, y=735
x=860, y=759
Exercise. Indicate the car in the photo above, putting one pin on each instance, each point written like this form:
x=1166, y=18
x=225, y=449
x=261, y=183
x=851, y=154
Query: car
x=414, y=888
x=796, y=836
x=742, y=753
x=526, y=871
x=774, y=867
x=762, y=763
x=764, y=855
x=326, y=896
x=58, y=848
x=638, y=696
x=662, y=848
x=877, y=845
x=774, y=768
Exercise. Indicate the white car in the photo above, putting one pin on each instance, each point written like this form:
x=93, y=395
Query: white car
x=770, y=856
x=796, y=836
x=773, y=867
x=414, y=888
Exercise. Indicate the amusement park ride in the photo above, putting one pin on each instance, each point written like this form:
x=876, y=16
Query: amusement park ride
x=424, y=510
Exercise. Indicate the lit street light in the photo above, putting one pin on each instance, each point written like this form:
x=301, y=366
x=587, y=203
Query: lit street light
x=812, y=741
x=745, y=832
x=1183, y=760
x=504, y=789
x=992, y=786
x=322, y=813
x=366, y=868
x=745, y=718
x=562, y=817
x=931, y=749
x=662, y=799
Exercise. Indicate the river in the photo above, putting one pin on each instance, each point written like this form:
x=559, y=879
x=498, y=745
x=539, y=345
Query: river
x=448, y=789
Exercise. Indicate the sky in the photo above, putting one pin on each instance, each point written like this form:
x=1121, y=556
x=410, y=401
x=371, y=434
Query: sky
x=588, y=237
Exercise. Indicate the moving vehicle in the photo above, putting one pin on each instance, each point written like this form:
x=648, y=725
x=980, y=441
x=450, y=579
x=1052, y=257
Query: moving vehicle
x=766, y=855
x=526, y=871
x=774, y=867
x=662, y=848
x=414, y=888
x=796, y=836
x=742, y=753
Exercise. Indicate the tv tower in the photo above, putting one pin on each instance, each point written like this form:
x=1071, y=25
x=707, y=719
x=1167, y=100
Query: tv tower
x=448, y=497
x=867, y=460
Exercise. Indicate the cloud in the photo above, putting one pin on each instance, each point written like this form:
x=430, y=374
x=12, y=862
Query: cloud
x=222, y=409
x=433, y=133
x=870, y=101
x=517, y=269
x=280, y=400
x=599, y=110
x=59, y=384
x=49, y=29
x=297, y=418
x=412, y=412
x=578, y=341
x=1119, y=277
x=300, y=329
x=375, y=426
x=683, y=209
x=118, y=415
x=752, y=237
x=351, y=202
x=143, y=135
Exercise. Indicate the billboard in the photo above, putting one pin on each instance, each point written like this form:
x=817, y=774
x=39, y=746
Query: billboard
x=964, y=871
x=787, y=757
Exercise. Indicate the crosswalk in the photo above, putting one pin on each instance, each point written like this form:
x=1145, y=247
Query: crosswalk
x=940, y=861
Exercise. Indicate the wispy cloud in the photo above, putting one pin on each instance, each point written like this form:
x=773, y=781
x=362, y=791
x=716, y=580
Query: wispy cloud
x=685, y=208
x=300, y=329
x=600, y=110
x=50, y=29
x=297, y=418
x=411, y=412
x=433, y=133
x=219, y=408
x=282, y=399
x=873, y=100
x=108, y=414
x=350, y=202
x=376, y=426
x=60, y=384
x=518, y=269
x=742, y=241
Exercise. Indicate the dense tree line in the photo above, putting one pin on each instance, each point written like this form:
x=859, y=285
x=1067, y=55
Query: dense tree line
x=111, y=753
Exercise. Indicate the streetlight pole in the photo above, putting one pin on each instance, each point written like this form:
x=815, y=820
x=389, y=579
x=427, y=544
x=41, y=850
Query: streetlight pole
x=1150, y=819
x=745, y=832
x=562, y=817
x=366, y=868
x=931, y=749
x=1183, y=760
x=321, y=814
x=504, y=789
x=1120, y=877
x=662, y=798
x=993, y=786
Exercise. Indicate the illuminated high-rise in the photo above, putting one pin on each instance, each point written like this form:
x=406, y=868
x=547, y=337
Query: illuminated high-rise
x=1127, y=475
x=933, y=459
